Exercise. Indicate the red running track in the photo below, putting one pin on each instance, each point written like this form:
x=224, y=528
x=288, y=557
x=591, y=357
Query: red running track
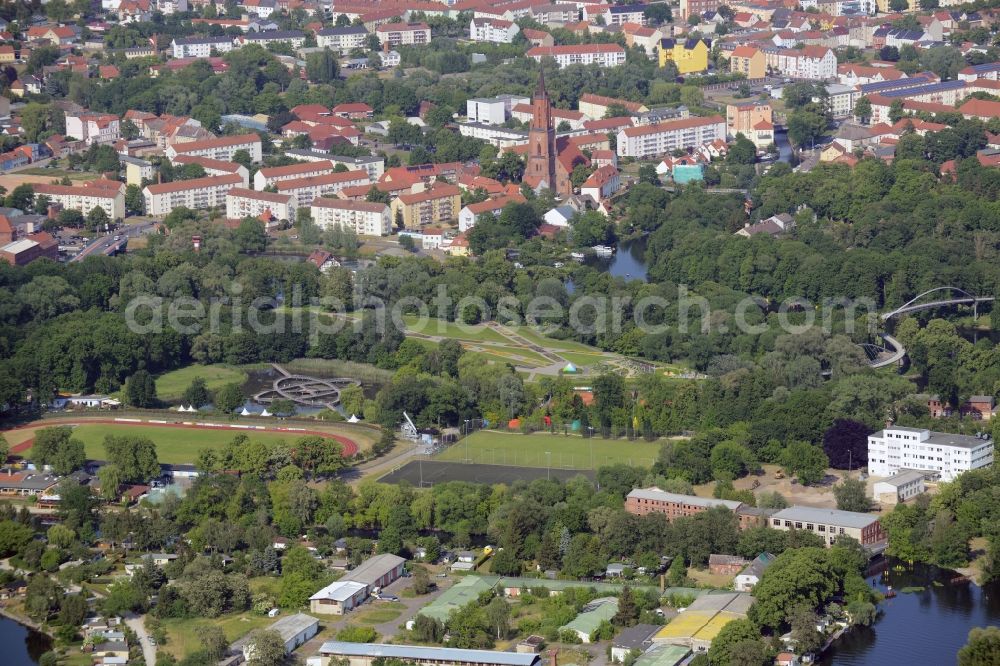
x=349, y=446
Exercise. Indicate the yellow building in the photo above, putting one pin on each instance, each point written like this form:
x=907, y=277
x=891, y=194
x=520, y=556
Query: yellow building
x=750, y=62
x=689, y=56
x=439, y=204
x=7, y=54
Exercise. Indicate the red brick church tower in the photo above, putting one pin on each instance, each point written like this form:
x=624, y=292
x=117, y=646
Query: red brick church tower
x=541, y=168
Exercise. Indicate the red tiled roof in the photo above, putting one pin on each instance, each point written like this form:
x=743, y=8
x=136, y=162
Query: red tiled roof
x=349, y=204
x=439, y=191
x=292, y=169
x=272, y=197
x=324, y=179
x=221, y=142
x=681, y=123
x=194, y=184
x=570, y=49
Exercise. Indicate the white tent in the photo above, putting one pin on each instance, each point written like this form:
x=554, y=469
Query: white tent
x=266, y=413
x=353, y=419
x=191, y=409
x=180, y=408
x=246, y=412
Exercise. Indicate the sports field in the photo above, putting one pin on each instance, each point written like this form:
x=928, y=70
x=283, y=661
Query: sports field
x=171, y=385
x=177, y=443
x=549, y=451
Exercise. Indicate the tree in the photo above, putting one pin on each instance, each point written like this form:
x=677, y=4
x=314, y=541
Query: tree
x=628, y=611
x=196, y=394
x=13, y=537
x=111, y=479
x=4, y=449
x=140, y=390
x=265, y=648
x=863, y=110
x=97, y=219
x=406, y=242
x=728, y=642
x=743, y=151
x=213, y=641
x=123, y=597
x=806, y=637
x=677, y=573
x=862, y=613
x=352, y=634
x=805, y=461
x=896, y=111
x=899, y=5
x=498, y=615
x=846, y=444
x=57, y=448
x=228, y=398
x=21, y=197
x=799, y=575
x=851, y=495
x=982, y=648
x=135, y=456
x=427, y=629
x=250, y=236
x=322, y=66
x=73, y=610
x=806, y=125
x=135, y=203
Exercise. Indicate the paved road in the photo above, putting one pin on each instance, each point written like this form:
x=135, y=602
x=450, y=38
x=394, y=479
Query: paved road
x=104, y=244
x=137, y=624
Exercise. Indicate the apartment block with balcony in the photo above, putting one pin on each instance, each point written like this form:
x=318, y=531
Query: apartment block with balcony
x=439, y=204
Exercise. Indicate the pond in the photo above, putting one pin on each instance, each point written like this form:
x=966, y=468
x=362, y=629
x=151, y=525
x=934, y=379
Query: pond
x=22, y=646
x=928, y=626
x=628, y=262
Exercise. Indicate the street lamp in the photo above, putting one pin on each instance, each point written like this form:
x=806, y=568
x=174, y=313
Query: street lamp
x=548, y=465
x=467, y=441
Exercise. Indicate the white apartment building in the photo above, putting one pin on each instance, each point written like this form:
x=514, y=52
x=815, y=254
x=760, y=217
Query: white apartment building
x=375, y=166
x=242, y=202
x=621, y=14
x=662, y=138
x=215, y=167
x=222, y=148
x=896, y=448
x=498, y=135
x=295, y=38
x=469, y=215
x=605, y=55
x=366, y=218
x=311, y=187
x=197, y=194
x=93, y=128
x=403, y=34
x=486, y=111
x=817, y=63
x=200, y=47
x=273, y=175
x=343, y=40
x=106, y=194
x=492, y=30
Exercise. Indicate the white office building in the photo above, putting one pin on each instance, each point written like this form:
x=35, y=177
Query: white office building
x=945, y=455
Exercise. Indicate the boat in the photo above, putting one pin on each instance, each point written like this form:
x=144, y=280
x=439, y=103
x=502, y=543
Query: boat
x=579, y=256
x=603, y=250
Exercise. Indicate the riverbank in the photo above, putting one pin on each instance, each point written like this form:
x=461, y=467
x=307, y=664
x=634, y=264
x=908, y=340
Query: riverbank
x=24, y=621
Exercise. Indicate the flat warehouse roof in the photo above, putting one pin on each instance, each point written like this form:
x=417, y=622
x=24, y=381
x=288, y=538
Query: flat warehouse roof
x=421, y=653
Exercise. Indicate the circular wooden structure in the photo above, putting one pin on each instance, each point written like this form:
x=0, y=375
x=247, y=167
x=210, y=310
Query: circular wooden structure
x=306, y=391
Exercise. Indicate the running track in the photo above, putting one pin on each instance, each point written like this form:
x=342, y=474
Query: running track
x=349, y=446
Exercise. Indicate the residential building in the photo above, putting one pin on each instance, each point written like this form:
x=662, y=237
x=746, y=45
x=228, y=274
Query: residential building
x=273, y=175
x=365, y=218
x=750, y=576
x=772, y=226
x=662, y=138
x=243, y=202
x=259, y=8
x=342, y=40
x=222, y=148
x=622, y=14
x=748, y=61
x=899, y=487
x=689, y=56
x=403, y=34
x=200, y=47
x=726, y=565
x=469, y=215
x=492, y=30
x=294, y=631
x=215, y=167
x=602, y=184
x=690, y=8
x=294, y=38
x=841, y=100
x=830, y=523
x=93, y=128
x=136, y=170
x=751, y=119
x=944, y=455
x=439, y=204
x=486, y=111
x=604, y=55
x=353, y=111
x=198, y=193
x=364, y=654
x=106, y=194
x=817, y=63
x=497, y=135
x=307, y=188
x=596, y=107
x=338, y=598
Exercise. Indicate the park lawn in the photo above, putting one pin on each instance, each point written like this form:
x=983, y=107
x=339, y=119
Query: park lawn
x=448, y=329
x=182, y=634
x=512, y=355
x=534, y=336
x=570, y=452
x=171, y=385
x=580, y=359
x=59, y=173
x=173, y=445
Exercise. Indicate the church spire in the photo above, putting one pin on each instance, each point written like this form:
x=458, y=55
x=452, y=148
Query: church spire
x=540, y=91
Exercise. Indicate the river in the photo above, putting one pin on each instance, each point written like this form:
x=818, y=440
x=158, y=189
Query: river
x=921, y=627
x=21, y=646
